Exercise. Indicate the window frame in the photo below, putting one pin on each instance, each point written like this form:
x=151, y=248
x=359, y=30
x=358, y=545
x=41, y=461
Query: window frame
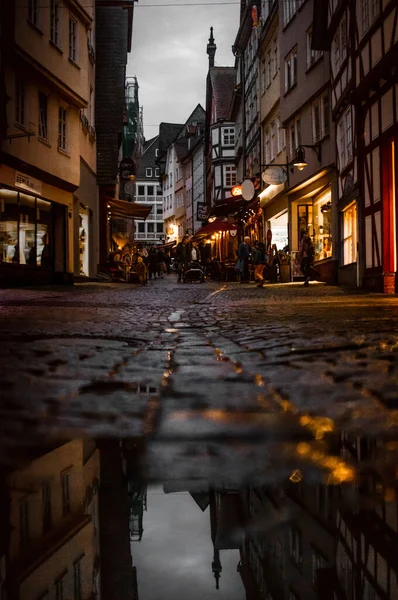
x=148, y=170
x=20, y=101
x=55, y=30
x=294, y=127
x=345, y=139
x=313, y=56
x=77, y=579
x=322, y=103
x=62, y=129
x=228, y=136
x=66, y=506
x=73, y=46
x=46, y=508
x=229, y=174
x=34, y=13
x=43, y=133
x=291, y=68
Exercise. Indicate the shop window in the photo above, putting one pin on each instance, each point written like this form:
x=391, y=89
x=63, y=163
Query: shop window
x=20, y=101
x=350, y=234
x=304, y=220
x=9, y=219
x=323, y=227
x=27, y=230
x=83, y=241
x=44, y=233
x=43, y=116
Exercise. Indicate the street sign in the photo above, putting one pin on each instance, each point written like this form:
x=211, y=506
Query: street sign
x=201, y=211
x=274, y=175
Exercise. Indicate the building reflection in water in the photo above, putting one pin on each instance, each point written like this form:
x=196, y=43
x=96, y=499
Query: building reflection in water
x=68, y=520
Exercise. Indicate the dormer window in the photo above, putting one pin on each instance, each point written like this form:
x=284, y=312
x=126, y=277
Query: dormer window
x=148, y=172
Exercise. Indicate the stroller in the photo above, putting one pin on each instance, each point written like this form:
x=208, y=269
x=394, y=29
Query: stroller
x=193, y=274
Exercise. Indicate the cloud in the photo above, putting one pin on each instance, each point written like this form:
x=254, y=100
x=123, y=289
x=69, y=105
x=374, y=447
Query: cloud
x=169, y=56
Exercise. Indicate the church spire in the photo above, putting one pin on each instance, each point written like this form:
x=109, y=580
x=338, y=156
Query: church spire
x=216, y=568
x=211, y=49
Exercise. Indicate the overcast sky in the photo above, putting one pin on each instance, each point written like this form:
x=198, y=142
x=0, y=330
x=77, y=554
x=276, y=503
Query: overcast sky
x=169, y=54
x=174, y=558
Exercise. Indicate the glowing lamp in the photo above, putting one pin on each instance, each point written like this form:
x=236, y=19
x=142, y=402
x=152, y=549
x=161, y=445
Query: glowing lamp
x=300, y=163
x=236, y=190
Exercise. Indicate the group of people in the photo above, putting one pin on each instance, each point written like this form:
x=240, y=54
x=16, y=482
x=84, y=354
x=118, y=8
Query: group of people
x=188, y=253
x=260, y=256
x=145, y=265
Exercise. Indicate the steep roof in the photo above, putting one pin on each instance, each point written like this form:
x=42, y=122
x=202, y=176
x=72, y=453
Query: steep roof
x=167, y=134
x=223, y=82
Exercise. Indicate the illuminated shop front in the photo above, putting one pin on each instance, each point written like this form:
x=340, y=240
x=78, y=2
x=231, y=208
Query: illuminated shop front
x=32, y=235
x=84, y=241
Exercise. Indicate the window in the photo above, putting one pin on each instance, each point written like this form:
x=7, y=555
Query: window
x=269, y=68
x=159, y=227
x=65, y=480
x=141, y=190
x=157, y=152
x=312, y=55
x=275, y=57
x=365, y=15
x=62, y=128
x=290, y=9
x=73, y=39
x=317, y=562
x=228, y=136
x=77, y=580
x=54, y=22
x=23, y=523
x=280, y=136
x=33, y=11
x=339, y=45
x=20, y=101
x=295, y=136
x=141, y=227
x=229, y=176
x=151, y=227
x=43, y=109
x=157, y=172
x=60, y=589
x=159, y=210
x=263, y=76
x=320, y=118
x=350, y=234
x=267, y=146
x=273, y=140
x=46, y=507
x=296, y=546
x=148, y=172
x=150, y=190
x=344, y=139
x=291, y=70
x=159, y=189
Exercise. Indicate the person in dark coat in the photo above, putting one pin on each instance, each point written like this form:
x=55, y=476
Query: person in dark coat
x=244, y=253
x=152, y=263
x=182, y=256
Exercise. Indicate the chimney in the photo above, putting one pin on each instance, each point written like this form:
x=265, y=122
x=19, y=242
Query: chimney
x=211, y=49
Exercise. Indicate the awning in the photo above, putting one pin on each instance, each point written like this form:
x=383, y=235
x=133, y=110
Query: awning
x=215, y=227
x=128, y=210
x=228, y=206
x=167, y=246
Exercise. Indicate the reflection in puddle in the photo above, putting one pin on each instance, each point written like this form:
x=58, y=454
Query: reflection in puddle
x=81, y=521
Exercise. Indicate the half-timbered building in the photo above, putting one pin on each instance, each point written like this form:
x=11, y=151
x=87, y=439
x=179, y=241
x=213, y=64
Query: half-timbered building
x=364, y=78
x=219, y=131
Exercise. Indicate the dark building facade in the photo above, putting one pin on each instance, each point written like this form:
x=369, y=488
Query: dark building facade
x=113, y=43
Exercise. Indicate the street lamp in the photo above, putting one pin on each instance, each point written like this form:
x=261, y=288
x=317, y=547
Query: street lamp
x=299, y=161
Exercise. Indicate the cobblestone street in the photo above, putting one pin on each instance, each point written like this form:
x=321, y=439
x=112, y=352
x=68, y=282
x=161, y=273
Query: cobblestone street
x=212, y=378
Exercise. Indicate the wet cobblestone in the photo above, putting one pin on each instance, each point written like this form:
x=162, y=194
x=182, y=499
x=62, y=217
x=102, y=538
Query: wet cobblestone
x=210, y=363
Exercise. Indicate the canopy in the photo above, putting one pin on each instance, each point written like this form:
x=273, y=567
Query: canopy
x=128, y=210
x=215, y=227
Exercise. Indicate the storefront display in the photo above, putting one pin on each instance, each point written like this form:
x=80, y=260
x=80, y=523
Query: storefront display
x=280, y=230
x=350, y=234
x=323, y=226
x=25, y=229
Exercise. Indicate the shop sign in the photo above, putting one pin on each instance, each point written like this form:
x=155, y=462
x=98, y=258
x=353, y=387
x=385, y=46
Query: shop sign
x=274, y=175
x=248, y=189
x=127, y=168
x=27, y=183
x=201, y=211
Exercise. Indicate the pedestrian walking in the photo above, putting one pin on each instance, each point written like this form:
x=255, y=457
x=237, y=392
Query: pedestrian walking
x=182, y=256
x=161, y=263
x=141, y=271
x=152, y=264
x=306, y=256
x=244, y=254
x=259, y=261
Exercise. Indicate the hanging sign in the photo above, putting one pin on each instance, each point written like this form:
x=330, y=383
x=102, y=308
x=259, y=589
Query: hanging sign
x=201, y=211
x=127, y=168
x=255, y=16
x=248, y=189
x=274, y=175
x=236, y=190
